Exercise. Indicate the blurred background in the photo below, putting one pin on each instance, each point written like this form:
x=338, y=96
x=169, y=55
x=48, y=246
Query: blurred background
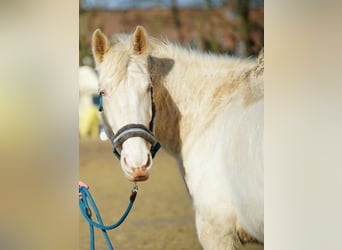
x=235, y=27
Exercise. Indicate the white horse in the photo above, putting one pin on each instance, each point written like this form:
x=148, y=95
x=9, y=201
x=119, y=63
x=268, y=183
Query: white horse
x=208, y=115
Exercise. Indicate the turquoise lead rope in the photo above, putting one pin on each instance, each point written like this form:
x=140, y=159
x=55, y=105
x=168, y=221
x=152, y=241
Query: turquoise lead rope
x=87, y=214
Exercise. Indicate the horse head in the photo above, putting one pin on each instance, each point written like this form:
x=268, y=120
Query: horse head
x=126, y=89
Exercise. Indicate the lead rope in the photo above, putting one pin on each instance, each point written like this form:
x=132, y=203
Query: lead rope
x=87, y=214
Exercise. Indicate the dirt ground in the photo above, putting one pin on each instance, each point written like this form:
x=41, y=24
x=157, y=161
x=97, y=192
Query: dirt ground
x=162, y=217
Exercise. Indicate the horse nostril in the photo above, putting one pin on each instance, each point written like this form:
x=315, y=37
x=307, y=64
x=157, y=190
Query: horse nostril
x=125, y=161
x=148, y=162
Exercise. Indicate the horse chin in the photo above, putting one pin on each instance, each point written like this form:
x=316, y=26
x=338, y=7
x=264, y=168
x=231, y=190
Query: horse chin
x=137, y=178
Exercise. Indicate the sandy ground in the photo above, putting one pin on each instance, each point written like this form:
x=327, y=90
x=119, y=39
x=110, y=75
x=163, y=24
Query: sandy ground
x=162, y=217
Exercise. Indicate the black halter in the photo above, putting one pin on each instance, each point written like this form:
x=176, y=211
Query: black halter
x=134, y=130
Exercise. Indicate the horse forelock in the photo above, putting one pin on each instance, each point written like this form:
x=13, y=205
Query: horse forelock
x=118, y=60
x=113, y=69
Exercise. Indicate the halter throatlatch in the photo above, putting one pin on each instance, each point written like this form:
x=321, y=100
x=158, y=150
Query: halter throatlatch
x=134, y=130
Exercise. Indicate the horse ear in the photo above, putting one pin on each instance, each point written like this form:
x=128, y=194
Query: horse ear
x=100, y=45
x=139, y=42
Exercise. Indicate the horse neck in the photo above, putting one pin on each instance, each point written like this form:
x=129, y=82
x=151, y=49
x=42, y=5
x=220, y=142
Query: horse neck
x=190, y=90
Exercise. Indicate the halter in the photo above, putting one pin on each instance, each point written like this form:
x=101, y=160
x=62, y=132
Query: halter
x=134, y=130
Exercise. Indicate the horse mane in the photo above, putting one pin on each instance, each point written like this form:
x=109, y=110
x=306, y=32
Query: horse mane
x=230, y=74
x=254, y=86
x=239, y=69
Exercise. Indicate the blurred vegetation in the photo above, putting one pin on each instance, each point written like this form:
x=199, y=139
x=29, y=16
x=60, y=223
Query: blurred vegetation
x=207, y=40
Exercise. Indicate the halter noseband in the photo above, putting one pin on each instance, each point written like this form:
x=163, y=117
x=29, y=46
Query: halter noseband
x=134, y=130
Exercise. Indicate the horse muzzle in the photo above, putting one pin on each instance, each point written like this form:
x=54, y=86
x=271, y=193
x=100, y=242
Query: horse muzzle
x=136, y=172
x=138, y=176
x=135, y=157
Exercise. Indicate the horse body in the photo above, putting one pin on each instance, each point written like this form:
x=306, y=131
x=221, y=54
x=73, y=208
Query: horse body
x=219, y=131
x=209, y=115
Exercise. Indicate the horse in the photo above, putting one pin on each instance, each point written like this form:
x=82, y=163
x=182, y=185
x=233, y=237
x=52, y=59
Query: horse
x=206, y=110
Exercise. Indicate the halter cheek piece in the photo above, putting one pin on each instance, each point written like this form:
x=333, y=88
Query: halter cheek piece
x=134, y=130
